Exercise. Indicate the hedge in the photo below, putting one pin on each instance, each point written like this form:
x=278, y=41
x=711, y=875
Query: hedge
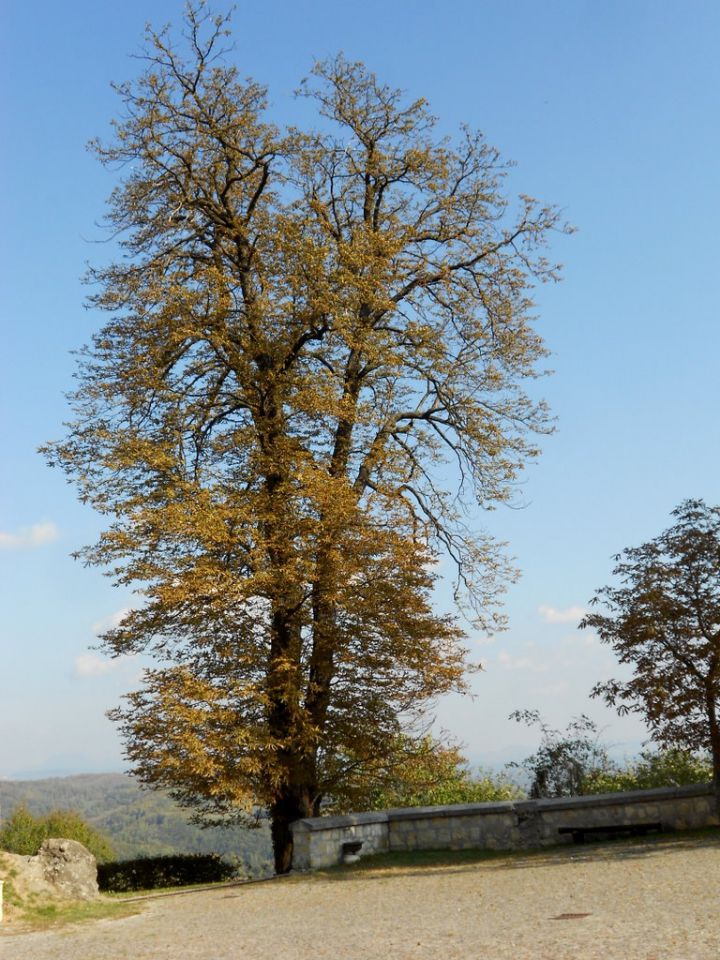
x=175, y=870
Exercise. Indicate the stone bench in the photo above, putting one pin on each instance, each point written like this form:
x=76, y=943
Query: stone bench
x=610, y=830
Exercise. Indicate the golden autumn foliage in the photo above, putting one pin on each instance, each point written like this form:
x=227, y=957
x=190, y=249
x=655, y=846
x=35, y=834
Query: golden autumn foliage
x=311, y=370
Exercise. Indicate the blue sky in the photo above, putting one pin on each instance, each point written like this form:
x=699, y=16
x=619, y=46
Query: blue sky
x=610, y=111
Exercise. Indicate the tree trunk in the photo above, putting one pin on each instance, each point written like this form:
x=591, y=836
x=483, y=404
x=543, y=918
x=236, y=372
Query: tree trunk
x=714, y=745
x=715, y=750
x=292, y=798
x=290, y=805
x=716, y=784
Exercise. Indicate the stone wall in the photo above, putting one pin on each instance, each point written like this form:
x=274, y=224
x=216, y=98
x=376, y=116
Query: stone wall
x=497, y=826
x=317, y=841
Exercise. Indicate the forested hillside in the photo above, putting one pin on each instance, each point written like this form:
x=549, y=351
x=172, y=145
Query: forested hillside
x=138, y=822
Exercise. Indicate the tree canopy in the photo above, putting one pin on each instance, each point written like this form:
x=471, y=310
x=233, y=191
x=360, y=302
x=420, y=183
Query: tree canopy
x=662, y=619
x=313, y=368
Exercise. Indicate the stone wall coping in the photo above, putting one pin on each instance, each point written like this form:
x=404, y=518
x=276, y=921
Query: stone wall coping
x=614, y=799
x=313, y=824
x=450, y=810
x=344, y=820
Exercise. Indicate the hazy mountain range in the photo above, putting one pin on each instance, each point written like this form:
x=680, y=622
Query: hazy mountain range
x=138, y=822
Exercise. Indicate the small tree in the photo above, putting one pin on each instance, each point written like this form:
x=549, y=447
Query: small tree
x=663, y=619
x=566, y=761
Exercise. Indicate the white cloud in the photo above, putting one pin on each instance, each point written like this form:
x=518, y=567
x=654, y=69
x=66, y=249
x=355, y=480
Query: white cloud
x=570, y=615
x=110, y=622
x=508, y=662
x=34, y=536
x=91, y=665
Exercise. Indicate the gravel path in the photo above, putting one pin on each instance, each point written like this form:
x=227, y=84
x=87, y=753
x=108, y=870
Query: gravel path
x=650, y=901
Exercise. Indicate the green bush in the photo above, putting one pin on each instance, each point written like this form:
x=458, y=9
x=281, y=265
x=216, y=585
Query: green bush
x=662, y=768
x=434, y=774
x=23, y=833
x=462, y=787
x=177, y=870
x=416, y=772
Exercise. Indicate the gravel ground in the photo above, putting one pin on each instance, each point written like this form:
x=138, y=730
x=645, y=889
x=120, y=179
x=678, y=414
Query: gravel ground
x=649, y=901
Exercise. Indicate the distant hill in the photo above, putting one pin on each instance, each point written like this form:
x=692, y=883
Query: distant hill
x=138, y=822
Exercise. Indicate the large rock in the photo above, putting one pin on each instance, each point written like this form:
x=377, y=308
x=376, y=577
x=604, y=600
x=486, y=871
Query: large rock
x=62, y=869
x=70, y=868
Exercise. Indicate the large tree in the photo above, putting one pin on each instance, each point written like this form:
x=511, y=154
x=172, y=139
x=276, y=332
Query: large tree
x=662, y=618
x=313, y=364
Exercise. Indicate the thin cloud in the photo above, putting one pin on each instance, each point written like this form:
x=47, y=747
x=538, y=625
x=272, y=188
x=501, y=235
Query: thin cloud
x=569, y=615
x=508, y=662
x=486, y=641
x=110, y=622
x=587, y=639
x=91, y=665
x=28, y=537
